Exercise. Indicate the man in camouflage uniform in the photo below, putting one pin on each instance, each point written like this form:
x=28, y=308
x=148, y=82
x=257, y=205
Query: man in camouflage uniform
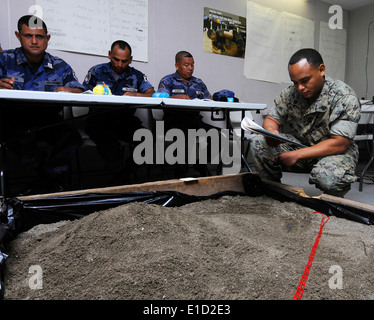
x=322, y=114
x=30, y=67
x=183, y=85
x=105, y=128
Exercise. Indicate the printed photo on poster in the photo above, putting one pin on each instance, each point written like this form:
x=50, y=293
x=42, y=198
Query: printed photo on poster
x=224, y=33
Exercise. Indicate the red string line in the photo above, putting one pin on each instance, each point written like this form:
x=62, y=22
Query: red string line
x=300, y=289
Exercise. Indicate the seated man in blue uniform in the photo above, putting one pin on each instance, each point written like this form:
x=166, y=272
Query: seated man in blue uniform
x=105, y=128
x=30, y=67
x=183, y=85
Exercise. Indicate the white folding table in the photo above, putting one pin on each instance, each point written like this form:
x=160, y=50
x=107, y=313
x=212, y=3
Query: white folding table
x=9, y=97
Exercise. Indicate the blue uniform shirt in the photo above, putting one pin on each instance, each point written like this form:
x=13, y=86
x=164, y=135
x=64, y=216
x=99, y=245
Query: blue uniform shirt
x=52, y=73
x=173, y=84
x=131, y=80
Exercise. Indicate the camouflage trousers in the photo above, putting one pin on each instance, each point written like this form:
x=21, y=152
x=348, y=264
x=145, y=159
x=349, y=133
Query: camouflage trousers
x=331, y=174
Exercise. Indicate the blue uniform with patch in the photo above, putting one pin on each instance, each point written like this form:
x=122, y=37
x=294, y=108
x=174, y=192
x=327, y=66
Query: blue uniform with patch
x=132, y=80
x=38, y=120
x=107, y=127
x=173, y=84
x=52, y=73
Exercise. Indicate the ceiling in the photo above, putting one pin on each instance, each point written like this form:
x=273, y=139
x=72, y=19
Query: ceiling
x=350, y=4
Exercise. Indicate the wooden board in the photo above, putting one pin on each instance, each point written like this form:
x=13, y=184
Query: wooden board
x=326, y=197
x=203, y=186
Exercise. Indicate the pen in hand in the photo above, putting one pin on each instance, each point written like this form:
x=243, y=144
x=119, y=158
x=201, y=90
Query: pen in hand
x=7, y=83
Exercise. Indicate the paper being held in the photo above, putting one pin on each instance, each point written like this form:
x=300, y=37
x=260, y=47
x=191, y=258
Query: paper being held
x=249, y=125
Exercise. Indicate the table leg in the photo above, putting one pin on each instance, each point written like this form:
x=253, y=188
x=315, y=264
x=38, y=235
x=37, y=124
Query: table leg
x=243, y=155
x=3, y=182
x=2, y=170
x=231, y=127
x=367, y=166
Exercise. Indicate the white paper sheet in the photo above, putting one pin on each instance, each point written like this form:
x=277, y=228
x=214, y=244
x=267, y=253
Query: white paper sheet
x=249, y=125
x=272, y=38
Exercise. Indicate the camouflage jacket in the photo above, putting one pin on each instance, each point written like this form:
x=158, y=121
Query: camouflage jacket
x=52, y=73
x=335, y=112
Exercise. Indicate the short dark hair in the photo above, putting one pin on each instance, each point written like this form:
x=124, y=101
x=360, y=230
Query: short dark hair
x=210, y=32
x=31, y=21
x=182, y=54
x=313, y=57
x=122, y=45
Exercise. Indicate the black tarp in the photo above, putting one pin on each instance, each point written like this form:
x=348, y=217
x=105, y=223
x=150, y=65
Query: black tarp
x=21, y=215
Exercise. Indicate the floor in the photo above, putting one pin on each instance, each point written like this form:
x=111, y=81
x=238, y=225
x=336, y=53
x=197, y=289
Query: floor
x=365, y=196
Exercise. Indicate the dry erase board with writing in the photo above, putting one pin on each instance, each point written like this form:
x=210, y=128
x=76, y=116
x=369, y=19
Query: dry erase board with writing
x=272, y=37
x=91, y=26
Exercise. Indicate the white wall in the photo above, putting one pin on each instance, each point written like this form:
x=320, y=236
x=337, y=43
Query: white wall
x=359, y=21
x=177, y=25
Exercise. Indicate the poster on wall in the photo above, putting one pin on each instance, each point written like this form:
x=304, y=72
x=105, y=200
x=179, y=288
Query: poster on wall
x=224, y=33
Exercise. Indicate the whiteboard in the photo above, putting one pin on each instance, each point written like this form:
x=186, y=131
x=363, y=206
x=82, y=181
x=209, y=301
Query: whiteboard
x=91, y=26
x=332, y=47
x=297, y=33
x=272, y=38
